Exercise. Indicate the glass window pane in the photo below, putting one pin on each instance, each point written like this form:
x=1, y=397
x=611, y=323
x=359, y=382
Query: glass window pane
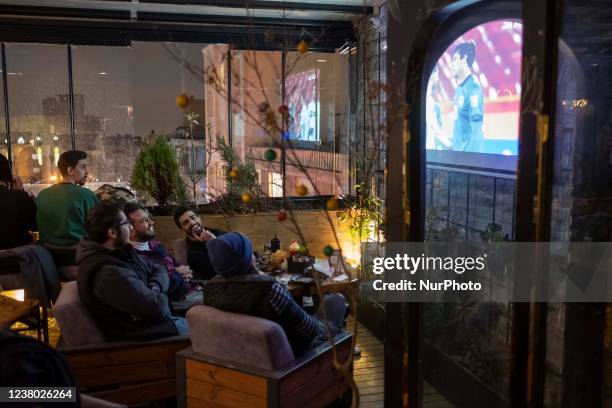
x=104, y=111
x=316, y=86
x=582, y=185
x=37, y=77
x=256, y=84
x=216, y=110
x=126, y=97
x=3, y=135
x=472, y=117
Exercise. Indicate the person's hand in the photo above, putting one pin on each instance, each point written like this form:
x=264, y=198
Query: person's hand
x=154, y=286
x=204, y=236
x=17, y=183
x=185, y=272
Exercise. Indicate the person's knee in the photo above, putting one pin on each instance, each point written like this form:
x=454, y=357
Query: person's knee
x=335, y=308
x=335, y=300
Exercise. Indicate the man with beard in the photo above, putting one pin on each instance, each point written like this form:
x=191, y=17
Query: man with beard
x=196, y=239
x=142, y=239
x=63, y=207
x=125, y=293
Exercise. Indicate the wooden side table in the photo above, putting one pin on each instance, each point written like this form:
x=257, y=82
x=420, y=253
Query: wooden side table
x=12, y=310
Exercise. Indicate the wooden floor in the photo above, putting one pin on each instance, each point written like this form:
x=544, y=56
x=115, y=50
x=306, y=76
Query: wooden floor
x=368, y=368
x=369, y=374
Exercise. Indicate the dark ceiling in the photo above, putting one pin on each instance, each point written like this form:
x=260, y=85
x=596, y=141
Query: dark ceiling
x=263, y=24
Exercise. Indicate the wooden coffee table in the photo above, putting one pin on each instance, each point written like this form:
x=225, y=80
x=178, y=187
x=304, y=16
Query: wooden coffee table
x=346, y=288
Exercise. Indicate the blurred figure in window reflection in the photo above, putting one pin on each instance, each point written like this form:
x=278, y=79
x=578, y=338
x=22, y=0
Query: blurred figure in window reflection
x=17, y=209
x=436, y=139
x=142, y=239
x=469, y=109
x=126, y=294
x=196, y=237
x=63, y=207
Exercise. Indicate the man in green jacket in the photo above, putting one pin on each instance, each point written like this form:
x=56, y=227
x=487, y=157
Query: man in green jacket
x=63, y=207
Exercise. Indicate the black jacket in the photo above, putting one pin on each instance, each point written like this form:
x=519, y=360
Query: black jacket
x=18, y=216
x=262, y=296
x=244, y=294
x=197, y=257
x=115, y=286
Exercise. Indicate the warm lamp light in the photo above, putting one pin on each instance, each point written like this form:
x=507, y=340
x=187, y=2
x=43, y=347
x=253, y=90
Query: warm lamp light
x=17, y=294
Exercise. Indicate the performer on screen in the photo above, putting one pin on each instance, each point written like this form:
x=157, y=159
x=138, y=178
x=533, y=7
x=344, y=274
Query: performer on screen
x=436, y=139
x=469, y=109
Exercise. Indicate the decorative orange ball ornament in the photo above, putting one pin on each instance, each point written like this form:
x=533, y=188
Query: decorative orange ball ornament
x=301, y=190
x=246, y=198
x=182, y=101
x=332, y=204
x=233, y=174
x=302, y=47
x=281, y=215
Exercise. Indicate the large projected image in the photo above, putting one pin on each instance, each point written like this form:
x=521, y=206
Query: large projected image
x=304, y=106
x=473, y=95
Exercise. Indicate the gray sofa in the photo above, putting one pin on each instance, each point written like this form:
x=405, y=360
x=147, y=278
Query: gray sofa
x=237, y=360
x=122, y=372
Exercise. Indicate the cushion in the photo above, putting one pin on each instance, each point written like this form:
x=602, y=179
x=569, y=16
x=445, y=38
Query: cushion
x=179, y=247
x=68, y=273
x=76, y=324
x=238, y=338
x=10, y=271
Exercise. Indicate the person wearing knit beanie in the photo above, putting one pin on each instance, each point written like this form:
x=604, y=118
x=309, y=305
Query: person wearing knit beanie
x=239, y=288
x=231, y=254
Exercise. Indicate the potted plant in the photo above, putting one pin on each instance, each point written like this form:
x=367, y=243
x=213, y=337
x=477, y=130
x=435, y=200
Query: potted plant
x=157, y=173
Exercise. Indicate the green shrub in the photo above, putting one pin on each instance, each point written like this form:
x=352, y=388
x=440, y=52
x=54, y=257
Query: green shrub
x=230, y=201
x=157, y=172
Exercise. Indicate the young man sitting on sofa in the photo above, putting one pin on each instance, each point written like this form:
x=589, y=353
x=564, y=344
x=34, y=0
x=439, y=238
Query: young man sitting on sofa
x=240, y=288
x=181, y=291
x=124, y=293
x=142, y=239
x=197, y=238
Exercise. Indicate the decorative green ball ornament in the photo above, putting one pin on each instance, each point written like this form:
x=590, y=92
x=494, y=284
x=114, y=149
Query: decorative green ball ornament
x=270, y=155
x=328, y=250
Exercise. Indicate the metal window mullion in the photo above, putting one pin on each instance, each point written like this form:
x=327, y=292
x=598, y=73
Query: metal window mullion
x=71, y=99
x=230, y=138
x=7, y=120
x=283, y=142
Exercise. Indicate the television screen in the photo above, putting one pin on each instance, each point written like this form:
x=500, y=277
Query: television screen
x=304, y=105
x=473, y=98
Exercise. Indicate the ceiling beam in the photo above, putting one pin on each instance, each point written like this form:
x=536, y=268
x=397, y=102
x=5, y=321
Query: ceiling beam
x=116, y=32
x=273, y=5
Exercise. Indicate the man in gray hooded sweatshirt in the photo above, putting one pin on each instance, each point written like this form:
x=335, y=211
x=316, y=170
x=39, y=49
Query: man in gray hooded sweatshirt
x=125, y=294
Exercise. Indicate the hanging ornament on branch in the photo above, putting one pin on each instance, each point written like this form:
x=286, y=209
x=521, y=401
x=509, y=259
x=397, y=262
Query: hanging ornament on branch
x=182, y=101
x=270, y=155
x=301, y=190
x=333, y=204
x=246, y=198
x=302, y=47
